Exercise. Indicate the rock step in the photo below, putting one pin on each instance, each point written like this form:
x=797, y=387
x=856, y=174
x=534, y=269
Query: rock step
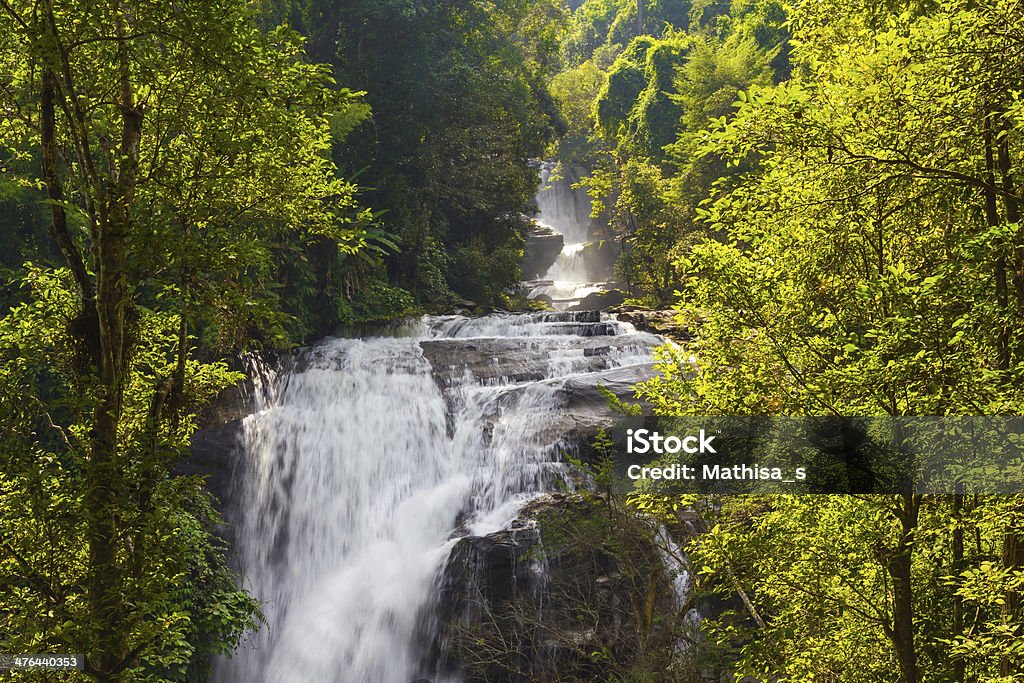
x=524, y=359
x=542, y=324
x=567, y=317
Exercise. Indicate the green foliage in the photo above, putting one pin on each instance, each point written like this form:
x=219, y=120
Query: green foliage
x=857, y=258
x=591, y=23
x=298, y=201
x=23, y=228
x=626, y=81
x=985, y=585
x=378, y=302
x=602, y=24
x=707, y=85
x=814, y=573
x=650, y=116
x=574, y=91
x=484, y=272
x=869, y=292
x=459, y=107
x=185, y=159
x=174, y=570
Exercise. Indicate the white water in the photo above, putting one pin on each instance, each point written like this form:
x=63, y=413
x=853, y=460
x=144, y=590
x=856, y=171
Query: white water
x=562, y=208
x=567, y=211
x=359, y=475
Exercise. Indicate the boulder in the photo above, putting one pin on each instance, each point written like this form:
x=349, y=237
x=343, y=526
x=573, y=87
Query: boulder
x=599, y=258
x=544, y=299
x=543, y=245
x=662, y=322
x=600, y=301
x=563, y=583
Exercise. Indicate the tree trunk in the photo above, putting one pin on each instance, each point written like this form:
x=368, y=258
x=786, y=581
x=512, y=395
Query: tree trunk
x=105, y=492
x=898, y=564
x=55, y=189
x=992, y=220
x=105, y=472
x=640, y=17
x=1013, y=558
x=959, y=664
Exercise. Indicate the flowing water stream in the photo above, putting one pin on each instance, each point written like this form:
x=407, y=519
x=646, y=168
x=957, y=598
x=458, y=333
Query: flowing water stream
x=368, y=458
x=566, y=210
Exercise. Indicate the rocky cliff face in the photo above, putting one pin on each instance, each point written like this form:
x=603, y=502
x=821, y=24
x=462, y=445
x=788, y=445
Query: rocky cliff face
x=543, y=245
x=216, y=444
x=575, y=589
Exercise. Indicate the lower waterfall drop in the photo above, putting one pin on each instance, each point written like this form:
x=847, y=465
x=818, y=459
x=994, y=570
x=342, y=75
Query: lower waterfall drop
x=369, y=458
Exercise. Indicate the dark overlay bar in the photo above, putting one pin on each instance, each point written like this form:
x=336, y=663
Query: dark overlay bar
x=859, y=455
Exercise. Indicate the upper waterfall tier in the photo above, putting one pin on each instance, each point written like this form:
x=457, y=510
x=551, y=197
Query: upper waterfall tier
x=562, y=207
x=585, y=262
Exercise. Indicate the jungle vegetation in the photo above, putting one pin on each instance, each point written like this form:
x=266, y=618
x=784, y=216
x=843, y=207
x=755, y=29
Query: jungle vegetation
x=836, y=217
x=828, y=193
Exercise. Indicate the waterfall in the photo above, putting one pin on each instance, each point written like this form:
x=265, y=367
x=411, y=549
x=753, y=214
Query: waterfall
x=369, y=458
x=566, y=210
x=562, y=207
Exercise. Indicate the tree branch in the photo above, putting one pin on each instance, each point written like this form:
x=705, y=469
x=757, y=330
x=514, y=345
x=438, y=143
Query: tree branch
x=54, y=189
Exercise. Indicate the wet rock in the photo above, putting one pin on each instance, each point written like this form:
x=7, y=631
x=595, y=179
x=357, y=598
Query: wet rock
x=543, y=245
x=544, y=299
x=211, y=454
x=600, y=301
x=535, y=324
x=519, y=359
x=493, y=566
x=233, y=403
x=585, y=410
x=583, y=392
x=599, y=256
x=562, y=583
x=663, y=322
x=216, y=442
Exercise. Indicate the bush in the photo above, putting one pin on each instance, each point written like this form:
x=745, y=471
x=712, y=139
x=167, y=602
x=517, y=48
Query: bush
x=482, y=273
x=377, y=302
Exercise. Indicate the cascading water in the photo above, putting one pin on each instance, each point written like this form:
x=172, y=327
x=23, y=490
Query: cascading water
x=561, y=207
x=370, y=457
x=566, y=210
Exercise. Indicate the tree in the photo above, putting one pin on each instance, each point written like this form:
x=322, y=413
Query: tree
x=460, y=107
x=176, y=145
x=651, y=114
x=865, y=265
